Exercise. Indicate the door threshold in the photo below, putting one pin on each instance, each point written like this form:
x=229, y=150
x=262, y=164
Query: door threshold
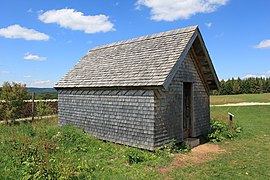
x=192, y=142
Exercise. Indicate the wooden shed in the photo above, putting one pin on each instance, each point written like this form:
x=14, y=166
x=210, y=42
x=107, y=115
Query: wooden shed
x=141, y=92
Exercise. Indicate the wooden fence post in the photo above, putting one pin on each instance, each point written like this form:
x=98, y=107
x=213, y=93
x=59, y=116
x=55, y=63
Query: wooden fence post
x=231, y=120
x=33, y=106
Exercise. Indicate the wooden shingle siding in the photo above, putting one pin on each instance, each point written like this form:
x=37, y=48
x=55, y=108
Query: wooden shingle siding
x=125, y=117
x=169, y=110
x=201, y=98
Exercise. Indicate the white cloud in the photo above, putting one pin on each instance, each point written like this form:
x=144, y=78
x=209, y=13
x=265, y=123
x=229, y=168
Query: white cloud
x=31, y=57
x=209, y=24
x=71, y=19
x=41, y=83
x=16, y=32
x=27, y=76
x=36, y=83
x=30, y=10
x=249, y=76
x=263, y=44
x=4, y=72
x=170, y=10
x=267, y=72
x=253, y=76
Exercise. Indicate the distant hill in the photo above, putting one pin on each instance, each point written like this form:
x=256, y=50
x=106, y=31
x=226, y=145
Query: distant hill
x=40, y=93
x=42, y=90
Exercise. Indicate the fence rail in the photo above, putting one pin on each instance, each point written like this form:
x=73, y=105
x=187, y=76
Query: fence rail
x=29, y=100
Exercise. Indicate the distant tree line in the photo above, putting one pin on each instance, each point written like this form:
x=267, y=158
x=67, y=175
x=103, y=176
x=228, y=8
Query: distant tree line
x=243, y=86
x=42, y=96
x=38, y=95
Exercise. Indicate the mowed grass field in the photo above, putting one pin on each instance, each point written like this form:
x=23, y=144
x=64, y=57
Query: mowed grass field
x=245, y=157
x=248, y=156
x=225, y=99
x=42, y=148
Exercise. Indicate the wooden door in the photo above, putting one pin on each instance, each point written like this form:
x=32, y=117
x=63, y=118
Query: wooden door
x=187, y=109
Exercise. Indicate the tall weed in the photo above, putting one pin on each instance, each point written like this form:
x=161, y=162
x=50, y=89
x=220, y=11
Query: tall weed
x=220, y=131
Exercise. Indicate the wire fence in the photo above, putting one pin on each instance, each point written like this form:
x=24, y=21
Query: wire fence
x=36, y=108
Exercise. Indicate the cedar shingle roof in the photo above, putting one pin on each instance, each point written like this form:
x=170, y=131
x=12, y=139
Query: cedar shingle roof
x=143, y=61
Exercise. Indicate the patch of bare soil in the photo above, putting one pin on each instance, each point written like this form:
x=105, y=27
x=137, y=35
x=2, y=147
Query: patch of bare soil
x=164, y=170
x=197, y=156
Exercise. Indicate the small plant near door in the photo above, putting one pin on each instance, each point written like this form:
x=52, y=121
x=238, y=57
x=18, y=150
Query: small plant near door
x=173, y=147
x=220, y=131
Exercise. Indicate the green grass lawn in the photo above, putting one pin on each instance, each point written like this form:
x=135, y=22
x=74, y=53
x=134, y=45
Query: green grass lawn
x=225, y=99
x=43, y=148
x=31, y=150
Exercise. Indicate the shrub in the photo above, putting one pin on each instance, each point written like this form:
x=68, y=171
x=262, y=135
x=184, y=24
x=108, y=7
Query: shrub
x=220, y=131
x=13, y=94
x=173, y=147
x=43, y=109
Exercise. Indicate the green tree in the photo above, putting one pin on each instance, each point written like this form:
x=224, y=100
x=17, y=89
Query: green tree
x=13, y=95
x=236, y=88
x=267, y=85
x=260, y=82
x=222, y=87
x=243, y=86
x=228, y=87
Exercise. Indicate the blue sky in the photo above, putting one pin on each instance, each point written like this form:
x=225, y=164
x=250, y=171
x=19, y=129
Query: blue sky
x=41, y=40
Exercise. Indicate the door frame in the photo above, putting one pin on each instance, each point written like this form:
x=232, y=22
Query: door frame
x=191, y=123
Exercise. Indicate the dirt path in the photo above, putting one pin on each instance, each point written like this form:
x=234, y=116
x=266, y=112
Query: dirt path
x=243, y=104
x=197, y=156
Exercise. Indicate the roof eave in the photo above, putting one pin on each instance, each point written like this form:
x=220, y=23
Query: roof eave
x=209, y=61
x=174, y=70
x=146, y=87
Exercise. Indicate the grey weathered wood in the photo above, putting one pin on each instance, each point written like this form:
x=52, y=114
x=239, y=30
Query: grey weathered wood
x=179, y=62
x=230, y=121
x=33, y=106
x=131, y=92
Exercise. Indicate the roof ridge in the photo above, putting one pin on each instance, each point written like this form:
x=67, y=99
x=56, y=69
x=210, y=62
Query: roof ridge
x=147, y=37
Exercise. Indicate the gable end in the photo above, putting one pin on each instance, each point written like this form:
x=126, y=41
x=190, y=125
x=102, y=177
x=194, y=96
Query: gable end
x=202, y=60
x=179, y=62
